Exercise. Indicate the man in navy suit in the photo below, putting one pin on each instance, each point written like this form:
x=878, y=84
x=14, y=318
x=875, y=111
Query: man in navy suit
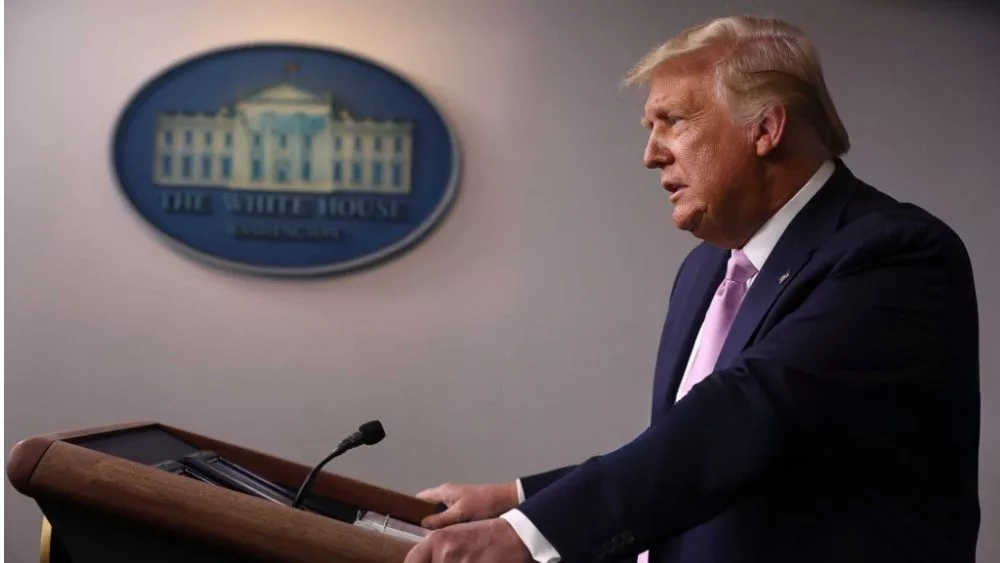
x=816, y=396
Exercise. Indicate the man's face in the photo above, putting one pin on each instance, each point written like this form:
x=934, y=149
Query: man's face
x=706, y=160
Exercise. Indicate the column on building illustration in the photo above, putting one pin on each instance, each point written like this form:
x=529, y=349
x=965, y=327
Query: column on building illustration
x=305, y=160
x=376, y=160
x=358, y=160
x=397, y=162
x=337, y=164
x=257, y=157
x=187, y=152
x=226, y=155
x=281, y=157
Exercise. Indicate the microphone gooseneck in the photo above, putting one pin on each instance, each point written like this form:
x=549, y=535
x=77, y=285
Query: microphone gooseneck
x=370, y=433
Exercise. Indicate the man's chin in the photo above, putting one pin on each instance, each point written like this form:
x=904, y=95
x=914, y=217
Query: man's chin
x=687, y=220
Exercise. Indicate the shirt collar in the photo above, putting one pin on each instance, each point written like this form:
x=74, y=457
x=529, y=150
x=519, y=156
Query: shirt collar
x=760, y=245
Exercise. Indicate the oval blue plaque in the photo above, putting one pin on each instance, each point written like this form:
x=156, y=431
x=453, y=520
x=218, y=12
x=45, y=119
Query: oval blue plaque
x=286, y=159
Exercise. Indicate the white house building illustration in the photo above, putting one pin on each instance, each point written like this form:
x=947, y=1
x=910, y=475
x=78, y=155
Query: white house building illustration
x=283, y=138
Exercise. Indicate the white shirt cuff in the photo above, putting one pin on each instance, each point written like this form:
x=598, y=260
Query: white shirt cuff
x=520, y=492
x=540, y=548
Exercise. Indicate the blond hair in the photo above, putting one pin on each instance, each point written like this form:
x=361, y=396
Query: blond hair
x=758, y=63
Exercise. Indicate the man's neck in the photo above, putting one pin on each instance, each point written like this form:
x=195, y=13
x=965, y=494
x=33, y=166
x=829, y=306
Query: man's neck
x=784, y=180
x=781, y=181
x=759, y=246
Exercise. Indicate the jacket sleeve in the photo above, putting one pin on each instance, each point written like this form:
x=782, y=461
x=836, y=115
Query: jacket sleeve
x=534, y=483
x=865, y=349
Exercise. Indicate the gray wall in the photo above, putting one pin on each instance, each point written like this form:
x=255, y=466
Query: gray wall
x=522, y=334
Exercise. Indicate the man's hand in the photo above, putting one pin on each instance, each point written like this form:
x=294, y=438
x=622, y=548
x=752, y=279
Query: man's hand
x=489, y=541
x=467, y=503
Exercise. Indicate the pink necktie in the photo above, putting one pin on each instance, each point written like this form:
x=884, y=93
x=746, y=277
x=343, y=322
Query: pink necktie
x=719, y=319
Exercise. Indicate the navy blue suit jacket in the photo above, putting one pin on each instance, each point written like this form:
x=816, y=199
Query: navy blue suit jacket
x=841, y=423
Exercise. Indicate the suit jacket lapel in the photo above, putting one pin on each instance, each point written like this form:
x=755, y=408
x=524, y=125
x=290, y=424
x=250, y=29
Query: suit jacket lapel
x=690, y=300
x=777, y=274
x=813, y=225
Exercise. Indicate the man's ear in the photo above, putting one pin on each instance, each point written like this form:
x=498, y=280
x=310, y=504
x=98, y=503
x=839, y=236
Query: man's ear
x=770, y=130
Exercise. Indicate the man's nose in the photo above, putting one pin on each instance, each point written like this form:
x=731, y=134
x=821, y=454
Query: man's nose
x=656, y=155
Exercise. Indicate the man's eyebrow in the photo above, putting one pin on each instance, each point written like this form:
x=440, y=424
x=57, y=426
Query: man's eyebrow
x=646, y=123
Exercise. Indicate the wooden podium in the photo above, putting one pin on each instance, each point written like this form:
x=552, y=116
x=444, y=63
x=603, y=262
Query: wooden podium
x=107, y=500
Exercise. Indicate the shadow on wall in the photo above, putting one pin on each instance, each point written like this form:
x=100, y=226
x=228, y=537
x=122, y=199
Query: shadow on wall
x=978, y=7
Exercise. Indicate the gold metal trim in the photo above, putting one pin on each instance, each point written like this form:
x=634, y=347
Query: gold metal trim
x=46, y=541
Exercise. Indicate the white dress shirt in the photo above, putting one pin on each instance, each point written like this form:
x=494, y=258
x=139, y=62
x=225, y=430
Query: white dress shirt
x=757, y=249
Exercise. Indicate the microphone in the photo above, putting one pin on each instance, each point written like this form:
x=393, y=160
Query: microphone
x=369, y=434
